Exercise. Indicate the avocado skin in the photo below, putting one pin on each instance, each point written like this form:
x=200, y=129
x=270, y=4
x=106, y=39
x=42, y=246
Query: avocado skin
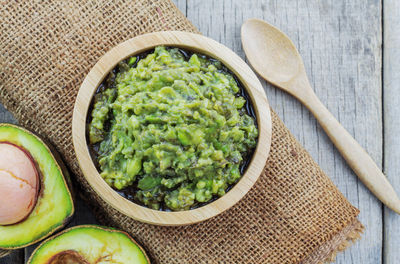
x=54, y=207
x=99, y=239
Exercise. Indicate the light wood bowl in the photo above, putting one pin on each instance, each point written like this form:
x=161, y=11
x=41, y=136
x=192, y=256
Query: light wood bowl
x=198, y=44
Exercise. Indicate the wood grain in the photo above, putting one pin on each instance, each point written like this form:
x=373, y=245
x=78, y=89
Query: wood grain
x=196, y=43
x=391, y=82
x=5, y=116
x=15, y=257
x=352, y=29
x=347, y=80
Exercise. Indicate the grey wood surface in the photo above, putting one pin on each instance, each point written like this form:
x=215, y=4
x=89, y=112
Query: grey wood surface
x=391, y=99
x=341, y=44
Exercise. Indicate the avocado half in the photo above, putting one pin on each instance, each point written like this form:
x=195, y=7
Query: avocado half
x=54, y=205
x=89, y=244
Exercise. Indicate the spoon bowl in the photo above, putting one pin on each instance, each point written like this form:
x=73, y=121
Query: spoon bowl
x=274, y=56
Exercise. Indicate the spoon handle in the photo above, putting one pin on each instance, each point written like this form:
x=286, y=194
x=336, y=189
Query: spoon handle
x=358, y=159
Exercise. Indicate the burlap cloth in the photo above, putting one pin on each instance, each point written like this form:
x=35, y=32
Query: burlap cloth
x=294, y=214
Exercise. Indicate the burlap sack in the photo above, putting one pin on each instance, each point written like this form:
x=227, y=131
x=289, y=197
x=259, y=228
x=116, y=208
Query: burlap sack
x=294, y=214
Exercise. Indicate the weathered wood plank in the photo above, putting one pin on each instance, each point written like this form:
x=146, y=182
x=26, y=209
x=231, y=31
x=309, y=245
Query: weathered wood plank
x=16, y=257
x=340, y=44
x=5, y=116
x=181, y=4
x=391, y=84
x=347, y=79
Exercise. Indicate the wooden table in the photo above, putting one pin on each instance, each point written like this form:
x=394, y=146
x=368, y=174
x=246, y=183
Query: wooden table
x=359, y=81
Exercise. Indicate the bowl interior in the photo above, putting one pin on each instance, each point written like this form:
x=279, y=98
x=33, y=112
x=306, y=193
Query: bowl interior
x=186, y=41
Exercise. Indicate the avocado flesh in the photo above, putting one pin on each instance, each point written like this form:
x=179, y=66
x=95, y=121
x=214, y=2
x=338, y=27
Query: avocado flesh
x=54, y=205
x=88, y=245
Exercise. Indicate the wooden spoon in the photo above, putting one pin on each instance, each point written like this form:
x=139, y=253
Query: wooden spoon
x=274, y=56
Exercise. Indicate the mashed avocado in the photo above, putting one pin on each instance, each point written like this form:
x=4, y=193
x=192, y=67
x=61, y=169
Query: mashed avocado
x=172, y=126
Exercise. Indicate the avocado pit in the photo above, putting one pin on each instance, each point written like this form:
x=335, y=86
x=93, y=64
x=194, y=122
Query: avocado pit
x=68, y=257
x=19, y=183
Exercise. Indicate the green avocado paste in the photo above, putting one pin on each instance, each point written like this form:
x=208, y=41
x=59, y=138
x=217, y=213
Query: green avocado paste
x=172, y=127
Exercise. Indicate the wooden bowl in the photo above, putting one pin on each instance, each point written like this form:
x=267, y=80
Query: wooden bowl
x=198, y=44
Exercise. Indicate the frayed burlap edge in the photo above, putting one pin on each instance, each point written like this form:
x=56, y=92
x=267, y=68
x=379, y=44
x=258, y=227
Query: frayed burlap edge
x=4, y=253
x=327, y=252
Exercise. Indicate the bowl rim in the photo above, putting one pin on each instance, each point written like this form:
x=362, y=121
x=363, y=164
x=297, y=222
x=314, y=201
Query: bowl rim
x=196, y=43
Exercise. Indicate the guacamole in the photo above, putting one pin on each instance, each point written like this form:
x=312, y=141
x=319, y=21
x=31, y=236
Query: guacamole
x=172, y=126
